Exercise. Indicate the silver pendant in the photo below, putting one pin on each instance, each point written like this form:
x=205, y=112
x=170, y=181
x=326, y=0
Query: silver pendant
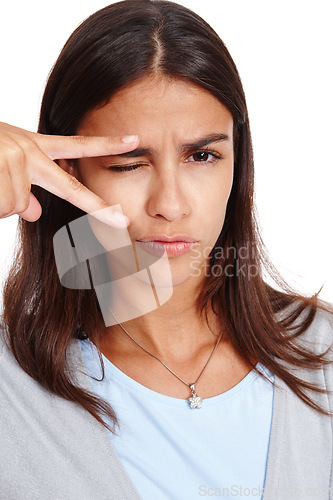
x=195, y=401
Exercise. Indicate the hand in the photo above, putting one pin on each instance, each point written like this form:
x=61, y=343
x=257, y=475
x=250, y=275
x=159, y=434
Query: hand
x=27, y=158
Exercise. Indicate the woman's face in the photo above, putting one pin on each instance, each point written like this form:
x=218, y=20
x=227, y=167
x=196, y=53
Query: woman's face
x=182, y=167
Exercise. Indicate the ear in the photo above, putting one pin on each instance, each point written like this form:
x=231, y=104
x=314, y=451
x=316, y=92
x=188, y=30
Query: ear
x=68, y=165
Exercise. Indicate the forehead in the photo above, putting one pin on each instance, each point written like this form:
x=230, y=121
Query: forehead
x=163, y=102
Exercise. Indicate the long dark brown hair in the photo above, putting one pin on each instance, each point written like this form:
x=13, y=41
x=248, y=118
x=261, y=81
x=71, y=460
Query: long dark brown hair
x=117, y=45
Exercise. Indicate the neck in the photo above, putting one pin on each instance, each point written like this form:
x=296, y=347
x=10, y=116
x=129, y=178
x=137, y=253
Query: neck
x=172, y=331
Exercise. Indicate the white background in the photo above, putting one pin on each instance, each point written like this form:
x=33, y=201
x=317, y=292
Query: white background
x=283, y=51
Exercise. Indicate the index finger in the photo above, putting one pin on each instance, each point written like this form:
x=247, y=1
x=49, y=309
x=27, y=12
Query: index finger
x=54, y=179
x=79, y=146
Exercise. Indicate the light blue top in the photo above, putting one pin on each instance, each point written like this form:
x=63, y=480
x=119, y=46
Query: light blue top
x=171, y=451
x=58, y=450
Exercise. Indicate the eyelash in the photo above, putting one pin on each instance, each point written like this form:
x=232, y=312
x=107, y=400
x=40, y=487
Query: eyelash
x=216, y=156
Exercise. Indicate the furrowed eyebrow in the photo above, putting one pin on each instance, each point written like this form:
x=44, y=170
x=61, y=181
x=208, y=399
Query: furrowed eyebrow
x=200, y=143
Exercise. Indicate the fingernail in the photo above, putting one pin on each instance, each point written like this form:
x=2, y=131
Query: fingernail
x=119, y=216
x=129, y=138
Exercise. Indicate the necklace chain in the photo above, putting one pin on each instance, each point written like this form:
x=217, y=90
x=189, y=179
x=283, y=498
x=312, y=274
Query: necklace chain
x=190, y=385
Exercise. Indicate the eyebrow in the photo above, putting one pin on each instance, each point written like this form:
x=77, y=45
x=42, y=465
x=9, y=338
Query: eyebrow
x=200, y=143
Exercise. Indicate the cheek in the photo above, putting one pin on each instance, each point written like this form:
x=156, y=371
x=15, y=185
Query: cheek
x=224, y=198
x=214, y=194
x=212, y=213
x=224, y=187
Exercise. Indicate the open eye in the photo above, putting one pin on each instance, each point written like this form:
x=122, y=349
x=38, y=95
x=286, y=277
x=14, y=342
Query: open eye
x=202, y=156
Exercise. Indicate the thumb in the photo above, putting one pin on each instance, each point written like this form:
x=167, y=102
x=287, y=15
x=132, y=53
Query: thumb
x=34, y=210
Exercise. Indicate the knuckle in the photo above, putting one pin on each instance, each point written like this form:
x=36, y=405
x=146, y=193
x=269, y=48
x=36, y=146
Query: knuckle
x=80, y=139
x=27, y=145
x=75, y=184
x=14, y=152
x=7, y=208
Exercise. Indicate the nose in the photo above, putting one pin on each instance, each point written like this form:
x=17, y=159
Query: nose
x=167, y=197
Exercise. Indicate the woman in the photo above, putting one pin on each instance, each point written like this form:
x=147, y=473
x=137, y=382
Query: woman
x=213, y=388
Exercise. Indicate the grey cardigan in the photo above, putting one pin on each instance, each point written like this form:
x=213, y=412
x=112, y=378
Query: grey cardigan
x=52, y=448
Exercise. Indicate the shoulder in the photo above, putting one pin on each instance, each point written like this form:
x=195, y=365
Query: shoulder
x=19, y=390
x=12, y=374
x=316, y=338
x=310, y=330
x=320, y=338
x=319, y=335
x=317, y=330
x=3, y=338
